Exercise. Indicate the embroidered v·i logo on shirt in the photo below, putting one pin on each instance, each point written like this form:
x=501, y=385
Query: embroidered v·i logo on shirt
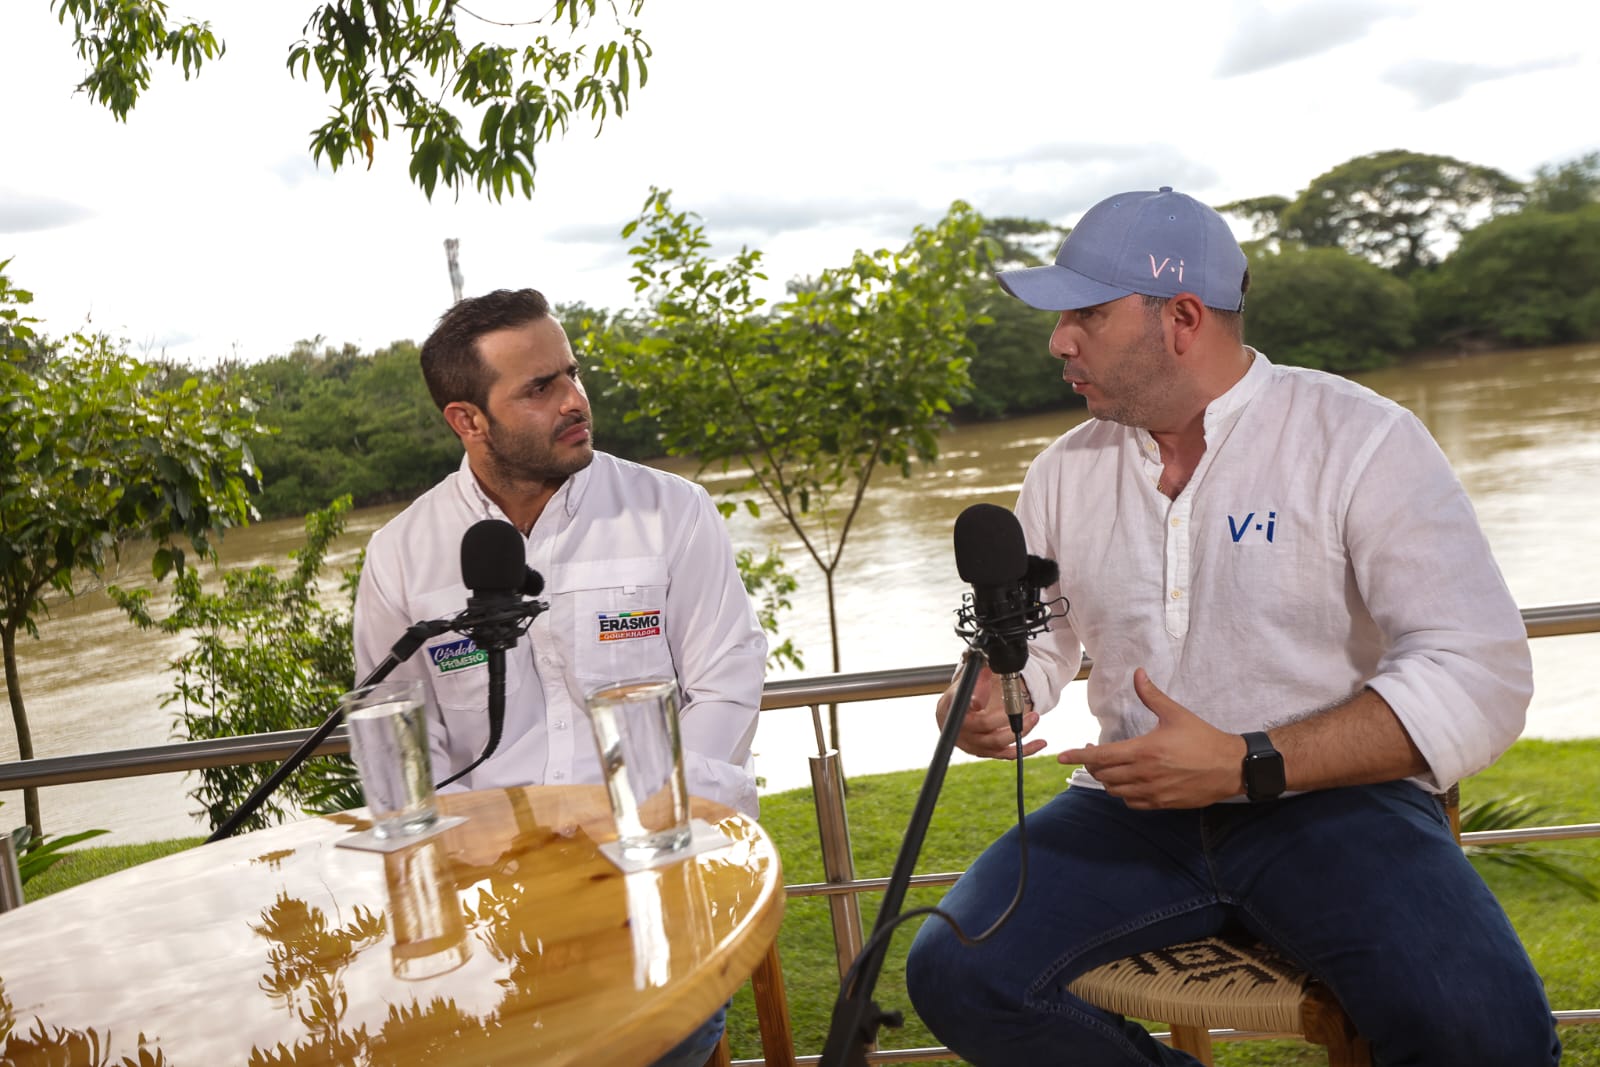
x=1237, y=528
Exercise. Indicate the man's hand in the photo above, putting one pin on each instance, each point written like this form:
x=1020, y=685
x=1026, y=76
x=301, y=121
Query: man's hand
x=986, y=731
x=1184, y=762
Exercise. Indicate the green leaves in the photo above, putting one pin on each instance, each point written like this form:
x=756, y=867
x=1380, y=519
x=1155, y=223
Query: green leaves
x=857, y=368
x=1394, y=207
x=396, y=63
x=1506, y=813
x=383, y=58
x=102, y=456
x=38, y=853
x=1325, y=308
x=264, y=654
x=119, y=38
x=1532, y=278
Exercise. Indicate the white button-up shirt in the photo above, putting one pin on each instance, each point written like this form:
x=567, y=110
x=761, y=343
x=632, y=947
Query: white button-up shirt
x=616, y=538
x=1322, y=544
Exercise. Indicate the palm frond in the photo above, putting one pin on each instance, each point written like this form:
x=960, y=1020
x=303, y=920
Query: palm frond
x=1511, y=813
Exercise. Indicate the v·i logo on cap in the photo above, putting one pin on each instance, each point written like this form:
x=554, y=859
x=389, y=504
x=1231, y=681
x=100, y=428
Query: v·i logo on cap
x=1155, y=271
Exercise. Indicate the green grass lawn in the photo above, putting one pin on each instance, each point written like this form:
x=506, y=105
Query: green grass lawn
x=1560, y=928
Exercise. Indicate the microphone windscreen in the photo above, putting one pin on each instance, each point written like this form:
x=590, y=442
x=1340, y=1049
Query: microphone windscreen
x=1042, y=572
x=493, y=557
x=532, y=583
x=990, y=548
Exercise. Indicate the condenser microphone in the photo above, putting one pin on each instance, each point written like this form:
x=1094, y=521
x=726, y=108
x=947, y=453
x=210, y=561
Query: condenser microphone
x=494, y=565
x=501, y=585
x=992, y=557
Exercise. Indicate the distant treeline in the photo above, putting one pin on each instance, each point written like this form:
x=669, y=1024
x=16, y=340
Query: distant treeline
x=1477, y=266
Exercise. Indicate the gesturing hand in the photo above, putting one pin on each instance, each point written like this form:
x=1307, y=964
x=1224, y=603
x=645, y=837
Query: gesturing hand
x=1184, y=762
x=986, y=731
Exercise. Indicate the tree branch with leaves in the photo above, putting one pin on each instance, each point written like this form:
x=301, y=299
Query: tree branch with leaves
x=856, y=370
x=388, y=64
x=101, y=458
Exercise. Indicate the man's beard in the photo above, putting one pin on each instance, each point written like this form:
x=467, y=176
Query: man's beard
x=1135, y=391
x=518, y=458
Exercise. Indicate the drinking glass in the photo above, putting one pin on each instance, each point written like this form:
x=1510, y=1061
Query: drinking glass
x=641, y=754
x=389, y=739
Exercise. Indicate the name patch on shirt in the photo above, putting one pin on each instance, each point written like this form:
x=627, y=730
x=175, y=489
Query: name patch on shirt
x=623, y=625
x=456, y=655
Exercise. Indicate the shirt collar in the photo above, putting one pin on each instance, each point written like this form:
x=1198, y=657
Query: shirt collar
x=1221, y=411
x=1242, y=391
x=568, y=497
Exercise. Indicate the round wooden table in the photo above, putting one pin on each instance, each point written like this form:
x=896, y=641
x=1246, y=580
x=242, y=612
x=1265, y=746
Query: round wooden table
x=508, y=939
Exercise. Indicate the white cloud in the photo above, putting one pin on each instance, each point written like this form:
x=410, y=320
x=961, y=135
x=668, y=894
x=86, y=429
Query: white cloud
x=1265, y=38
x=1432, y=82
x=22, y=212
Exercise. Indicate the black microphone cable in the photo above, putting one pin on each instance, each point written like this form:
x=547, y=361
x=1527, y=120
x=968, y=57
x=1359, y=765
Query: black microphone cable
x=996, y=620
x=847, y=984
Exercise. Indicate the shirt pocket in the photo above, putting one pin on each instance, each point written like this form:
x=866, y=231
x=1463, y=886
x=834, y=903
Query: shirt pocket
x=457, y=671
x=619, y=619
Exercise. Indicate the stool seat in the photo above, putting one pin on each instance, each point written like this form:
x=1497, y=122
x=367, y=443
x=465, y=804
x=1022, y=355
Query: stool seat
x=1236, y=982
x=1224, y=982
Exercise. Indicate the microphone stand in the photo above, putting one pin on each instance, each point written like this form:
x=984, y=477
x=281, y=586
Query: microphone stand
x=856, y=1017
x=401, y=651
x=495, y=628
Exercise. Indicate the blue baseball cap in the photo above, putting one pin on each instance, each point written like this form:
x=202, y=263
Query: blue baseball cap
x=1156, y=244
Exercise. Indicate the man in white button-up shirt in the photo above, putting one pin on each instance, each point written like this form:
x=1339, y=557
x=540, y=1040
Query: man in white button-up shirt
x=1299, y=636
x=611, y=539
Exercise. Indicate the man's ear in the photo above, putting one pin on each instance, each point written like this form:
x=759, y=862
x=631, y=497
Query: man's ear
x=467, y=420
x=1185, y=313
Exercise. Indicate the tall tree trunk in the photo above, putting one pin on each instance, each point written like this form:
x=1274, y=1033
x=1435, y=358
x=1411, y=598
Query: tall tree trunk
x=19, y=716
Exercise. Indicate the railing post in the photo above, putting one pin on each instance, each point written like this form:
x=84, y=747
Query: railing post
x=10, y=875
x=838, y=862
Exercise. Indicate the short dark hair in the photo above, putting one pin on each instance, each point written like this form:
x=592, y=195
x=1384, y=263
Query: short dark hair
x=451, y=364
x=1234, y=320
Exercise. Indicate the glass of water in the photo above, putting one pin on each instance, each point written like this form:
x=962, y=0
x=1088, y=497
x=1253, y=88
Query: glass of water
x=389, y=739
x=641, y=754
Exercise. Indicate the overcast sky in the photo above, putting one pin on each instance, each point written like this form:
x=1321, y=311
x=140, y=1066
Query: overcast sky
x=202, y=228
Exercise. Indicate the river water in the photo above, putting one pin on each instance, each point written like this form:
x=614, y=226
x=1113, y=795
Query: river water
x=1521, y=428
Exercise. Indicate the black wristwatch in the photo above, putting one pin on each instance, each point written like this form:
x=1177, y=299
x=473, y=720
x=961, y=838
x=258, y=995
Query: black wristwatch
x=1263, y=769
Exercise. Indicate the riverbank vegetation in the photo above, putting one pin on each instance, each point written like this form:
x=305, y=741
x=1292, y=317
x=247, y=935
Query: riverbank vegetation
x=1468, y=263
x=1383, y=256
x=1561, y=927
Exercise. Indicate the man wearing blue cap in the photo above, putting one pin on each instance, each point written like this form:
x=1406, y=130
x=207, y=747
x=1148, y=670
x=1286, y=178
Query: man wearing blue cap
x=1299, y=639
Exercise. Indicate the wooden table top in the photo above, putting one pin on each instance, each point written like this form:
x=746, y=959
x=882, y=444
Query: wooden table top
x=278, y=948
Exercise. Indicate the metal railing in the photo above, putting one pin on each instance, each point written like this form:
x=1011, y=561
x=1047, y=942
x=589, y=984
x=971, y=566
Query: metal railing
x=842, y=887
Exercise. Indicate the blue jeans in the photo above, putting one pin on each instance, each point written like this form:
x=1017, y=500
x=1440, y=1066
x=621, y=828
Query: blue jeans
x=694, y=1050
x=1364, y=887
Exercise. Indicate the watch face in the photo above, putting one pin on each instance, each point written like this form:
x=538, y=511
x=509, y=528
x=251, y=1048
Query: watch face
x=1263, y=775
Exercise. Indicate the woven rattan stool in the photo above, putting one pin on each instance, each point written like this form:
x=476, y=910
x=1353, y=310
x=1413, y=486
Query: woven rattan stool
x=1224, y=983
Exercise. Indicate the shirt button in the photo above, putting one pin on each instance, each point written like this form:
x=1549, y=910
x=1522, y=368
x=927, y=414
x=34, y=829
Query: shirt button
x=1176, y=593
x=560, y=724
x=559, y=775
x=1177, y=522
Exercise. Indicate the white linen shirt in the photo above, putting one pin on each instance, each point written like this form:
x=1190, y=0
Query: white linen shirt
x=616, y=537
x=1322, y=544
